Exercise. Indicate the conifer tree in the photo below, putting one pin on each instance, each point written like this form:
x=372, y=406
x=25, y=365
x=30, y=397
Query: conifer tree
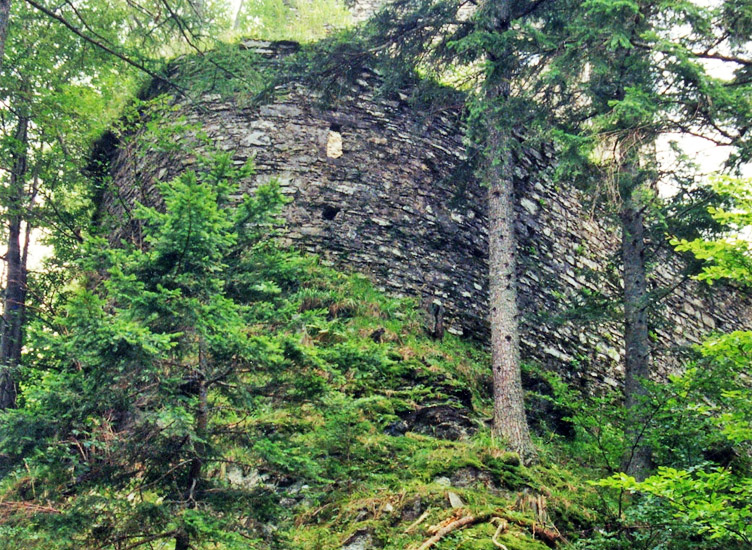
x=148, y=361
x=510, y=422
x=638, y=75
x=81, y=50
x=511, y=41
x=706, y=487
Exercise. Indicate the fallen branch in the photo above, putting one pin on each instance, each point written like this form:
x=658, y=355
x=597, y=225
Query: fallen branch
x=451, y=527
x=27, y=507
x=417, y=522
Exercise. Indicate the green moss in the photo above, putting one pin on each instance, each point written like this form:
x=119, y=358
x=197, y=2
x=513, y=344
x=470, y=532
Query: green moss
x=521, y=542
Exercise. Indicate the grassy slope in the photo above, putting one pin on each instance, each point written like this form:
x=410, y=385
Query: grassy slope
x=325, y=441
x=316, y=453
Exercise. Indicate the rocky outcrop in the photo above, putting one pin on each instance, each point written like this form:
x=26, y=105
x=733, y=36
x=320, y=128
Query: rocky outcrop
x=383, y=188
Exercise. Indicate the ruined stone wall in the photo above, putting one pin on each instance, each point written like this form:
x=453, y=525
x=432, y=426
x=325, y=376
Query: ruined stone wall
x=386, y=190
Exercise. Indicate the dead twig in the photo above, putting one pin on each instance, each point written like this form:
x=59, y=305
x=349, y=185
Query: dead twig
x=499, y=530
x=28, y=508
x=417, y=522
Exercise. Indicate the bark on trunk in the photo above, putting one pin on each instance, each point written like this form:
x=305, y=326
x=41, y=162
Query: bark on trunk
x=4, y=19
x=510, y=422
x=11, y=340
x=182, y=541
x=637, y=459
x=236, y=19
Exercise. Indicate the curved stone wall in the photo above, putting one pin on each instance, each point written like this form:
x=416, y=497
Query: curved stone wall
x=387, y=191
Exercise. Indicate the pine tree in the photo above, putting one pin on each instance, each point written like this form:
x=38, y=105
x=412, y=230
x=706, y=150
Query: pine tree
x=510, y=422
x=510, y=41
x=637, y=78
x=708, y=490
x=148, y=362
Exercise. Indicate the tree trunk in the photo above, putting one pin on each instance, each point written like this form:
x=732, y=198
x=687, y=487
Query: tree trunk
x=510, y=422
x=4, y=19
x=182, y=539
x=236, y=19
x=11, y=339
x=637, y=459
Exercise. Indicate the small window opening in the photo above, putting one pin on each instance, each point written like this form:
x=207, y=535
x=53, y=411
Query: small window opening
x=329, y=212
x=334, y=142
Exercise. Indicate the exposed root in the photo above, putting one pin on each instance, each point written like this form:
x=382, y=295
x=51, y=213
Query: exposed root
x=499, y=530
x=448, y=526
x=462, y=518
x=536, y=503
x=551, y=537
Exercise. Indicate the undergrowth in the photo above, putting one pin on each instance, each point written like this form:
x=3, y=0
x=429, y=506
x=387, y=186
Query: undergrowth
x=315, y=447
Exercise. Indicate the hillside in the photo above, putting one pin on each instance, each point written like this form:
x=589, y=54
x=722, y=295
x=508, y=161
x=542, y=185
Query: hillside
x=233, y=393
x=413, y=284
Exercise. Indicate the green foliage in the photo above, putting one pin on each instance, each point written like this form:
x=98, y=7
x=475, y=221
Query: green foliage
x=110, y=443
x=144, y=354
x=215, y=386
x=212, y=382
x=728, y=257
x=699, y=432
x=299, y=20
x=713, y=502
x=702, y=488
x=227, y=70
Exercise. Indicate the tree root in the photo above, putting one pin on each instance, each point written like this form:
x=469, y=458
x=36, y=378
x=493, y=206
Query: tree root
x=443, y=529
x=417, y=522
x=499, y=530
x=550, y=537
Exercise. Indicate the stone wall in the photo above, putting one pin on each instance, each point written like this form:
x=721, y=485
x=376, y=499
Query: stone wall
x=387, y=190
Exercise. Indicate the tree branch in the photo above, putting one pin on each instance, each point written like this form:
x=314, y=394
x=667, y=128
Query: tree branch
x=133, y=63
x=529, y=9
